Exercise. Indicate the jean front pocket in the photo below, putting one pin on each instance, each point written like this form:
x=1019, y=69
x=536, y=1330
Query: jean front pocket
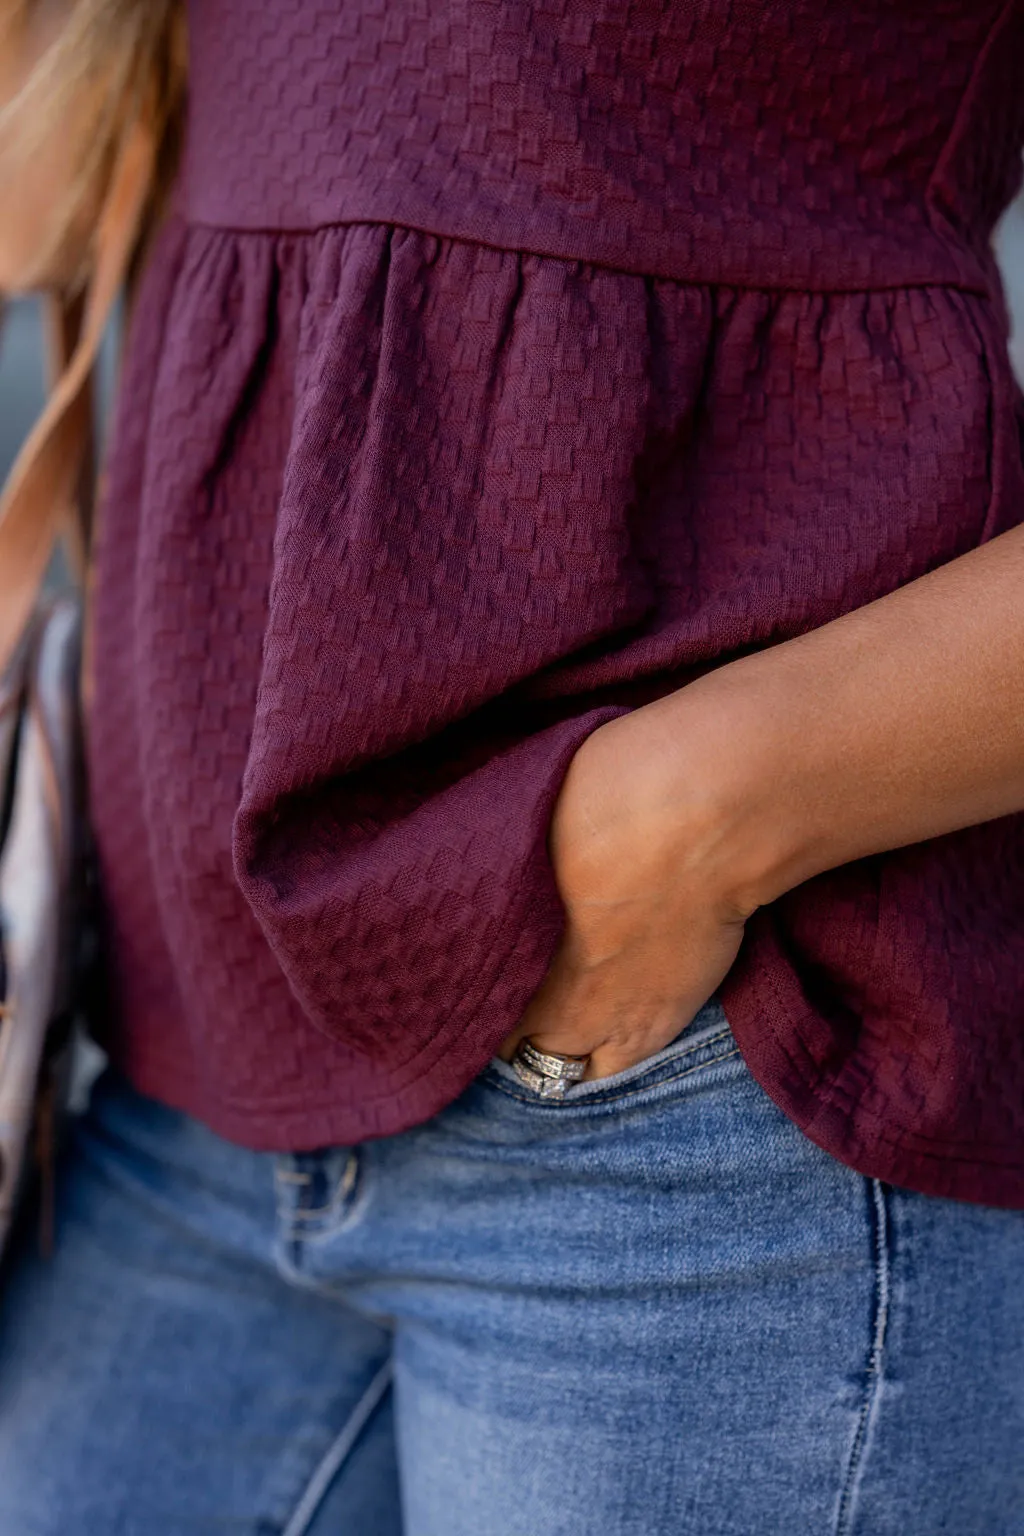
x=703, y=1043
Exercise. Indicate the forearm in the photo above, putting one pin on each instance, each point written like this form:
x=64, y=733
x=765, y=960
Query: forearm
x=898, y=722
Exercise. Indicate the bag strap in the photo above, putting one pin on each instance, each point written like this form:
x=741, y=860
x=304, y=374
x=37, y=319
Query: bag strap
x=41, y=493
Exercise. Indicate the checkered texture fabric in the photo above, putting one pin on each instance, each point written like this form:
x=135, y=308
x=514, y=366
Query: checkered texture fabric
x=502, y=365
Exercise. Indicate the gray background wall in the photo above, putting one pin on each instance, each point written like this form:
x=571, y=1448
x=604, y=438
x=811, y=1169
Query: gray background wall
x=21, y=378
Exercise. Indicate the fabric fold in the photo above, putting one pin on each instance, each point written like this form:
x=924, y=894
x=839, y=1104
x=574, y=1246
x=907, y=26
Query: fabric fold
x=413, y=517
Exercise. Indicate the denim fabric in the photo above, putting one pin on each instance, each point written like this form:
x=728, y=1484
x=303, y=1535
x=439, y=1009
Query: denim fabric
x=654, y=1309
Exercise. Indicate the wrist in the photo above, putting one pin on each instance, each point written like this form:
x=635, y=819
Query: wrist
x=723, y=780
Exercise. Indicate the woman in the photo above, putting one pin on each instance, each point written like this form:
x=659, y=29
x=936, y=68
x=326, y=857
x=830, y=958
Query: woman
x=559, y=583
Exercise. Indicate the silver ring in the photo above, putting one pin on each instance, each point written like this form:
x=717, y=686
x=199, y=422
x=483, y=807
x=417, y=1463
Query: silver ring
x=545, y=1072
x=551, y=1063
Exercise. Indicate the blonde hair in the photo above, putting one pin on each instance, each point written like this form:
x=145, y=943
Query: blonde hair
x=90, y=70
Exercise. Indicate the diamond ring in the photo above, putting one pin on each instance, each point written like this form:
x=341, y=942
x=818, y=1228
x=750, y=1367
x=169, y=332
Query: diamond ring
x=546, y=1072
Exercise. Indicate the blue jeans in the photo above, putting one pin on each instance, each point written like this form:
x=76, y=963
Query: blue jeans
x=654, y=1309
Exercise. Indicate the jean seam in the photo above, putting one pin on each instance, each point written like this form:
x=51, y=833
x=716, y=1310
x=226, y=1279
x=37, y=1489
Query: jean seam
x=337, y=1454
x=287, y=1251
x=297, y=1218
x=878, y=1213
x=633, y=1090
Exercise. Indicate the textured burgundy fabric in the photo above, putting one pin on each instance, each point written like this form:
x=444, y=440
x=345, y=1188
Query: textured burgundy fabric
x=502, y=365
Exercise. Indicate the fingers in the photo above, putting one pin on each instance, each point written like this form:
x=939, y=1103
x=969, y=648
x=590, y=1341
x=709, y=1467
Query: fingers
x=574, y=1015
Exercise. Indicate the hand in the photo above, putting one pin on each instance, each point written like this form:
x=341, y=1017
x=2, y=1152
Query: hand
x=898, y=722
x=652, y=922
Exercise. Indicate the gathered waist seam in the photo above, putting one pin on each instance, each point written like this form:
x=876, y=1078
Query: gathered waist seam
x=949, y=279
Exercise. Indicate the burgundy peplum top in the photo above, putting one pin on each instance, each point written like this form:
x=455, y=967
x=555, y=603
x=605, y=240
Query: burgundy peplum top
x=501, y=366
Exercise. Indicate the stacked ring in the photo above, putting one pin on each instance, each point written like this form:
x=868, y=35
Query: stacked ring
x=546, y=1072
